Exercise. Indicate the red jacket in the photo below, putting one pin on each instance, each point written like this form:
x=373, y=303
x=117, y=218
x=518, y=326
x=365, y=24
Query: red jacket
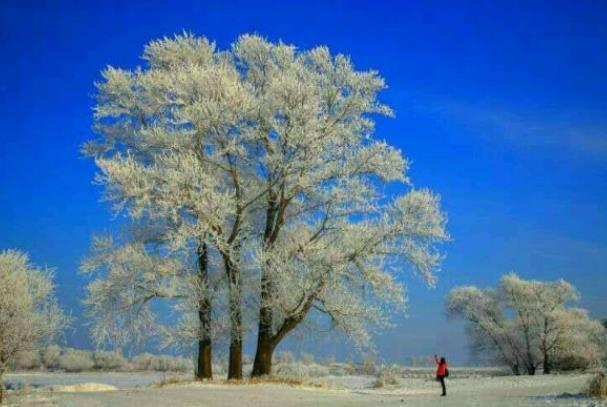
x=441, y=369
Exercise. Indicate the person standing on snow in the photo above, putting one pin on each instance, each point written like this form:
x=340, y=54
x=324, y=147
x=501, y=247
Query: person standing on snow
x=441, y=372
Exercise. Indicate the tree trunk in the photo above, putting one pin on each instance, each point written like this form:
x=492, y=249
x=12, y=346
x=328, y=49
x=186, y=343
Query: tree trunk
x=546, y=363
x=530, y=360
x=235, y=294
x=1, y=387
x=267, y=340
x=515, y=370
x=235, y=363
x=265, y=346
x=204, y=368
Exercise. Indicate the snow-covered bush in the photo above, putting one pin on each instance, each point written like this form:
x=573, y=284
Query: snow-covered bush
x=369, y=366
x=330, y=360
x=341, y=369
x=163, y=363
x=573, y=362
x=300, y=370
x=73, y=360
x=143, y=361
x=316, y=370
x=349, y=368
x=597, y=387
x=172, y=363
x=284, y=357
x=27, y=360
x=307, y=359
x=109, y=360
x=51, y=356
x=220, y=369
x=387, y=376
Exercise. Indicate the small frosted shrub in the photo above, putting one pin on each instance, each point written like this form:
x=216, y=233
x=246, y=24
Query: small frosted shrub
x=316, y=370
x=284, y=357
x=220, y=369
x=27, y=360
x=220, y=365
x=297, y=370
x=73, y=360
x=330, y=360
x=597, y=387
x=339, y=369
x=369, y=366
x=142, y=361
x=109, y=360
x=300, y=370
x=149, y=362
x=51, y=356
x=387, y=376
x=307, y=359
x=349, y=368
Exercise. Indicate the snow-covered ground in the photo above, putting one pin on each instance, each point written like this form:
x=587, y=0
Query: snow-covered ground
x=131, y=390
x=36, y=380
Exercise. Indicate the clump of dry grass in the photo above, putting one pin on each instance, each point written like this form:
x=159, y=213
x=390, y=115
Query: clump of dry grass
x=24, y=389
x=291, y=381
x=387, y=376
x=597, y=387
x=278, y=379
x=169, y=379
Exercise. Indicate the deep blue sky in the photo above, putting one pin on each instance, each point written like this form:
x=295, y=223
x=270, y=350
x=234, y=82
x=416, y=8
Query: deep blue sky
x=501, y=106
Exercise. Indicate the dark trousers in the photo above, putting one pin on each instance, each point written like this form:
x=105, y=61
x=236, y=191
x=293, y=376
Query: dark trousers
x=441, y=379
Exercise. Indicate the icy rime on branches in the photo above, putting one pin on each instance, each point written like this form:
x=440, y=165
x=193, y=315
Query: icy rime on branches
x=259, y=161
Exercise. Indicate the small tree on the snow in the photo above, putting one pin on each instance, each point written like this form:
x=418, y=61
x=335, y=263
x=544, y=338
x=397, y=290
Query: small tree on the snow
x=527, y=323
x=29, y=314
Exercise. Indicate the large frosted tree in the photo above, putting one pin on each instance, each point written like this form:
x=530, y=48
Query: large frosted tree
x=172, y=146
x=266, y=154
x=29, y=313
x=329, y=235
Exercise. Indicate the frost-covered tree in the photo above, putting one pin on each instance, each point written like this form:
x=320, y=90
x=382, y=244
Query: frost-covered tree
x=172, y=146
x=329, y=234
x=132, y=276
x=342, y=270
x=29, y=313
x=266, y=154
x=528, y=323
x=579, y=342
x=490, y=331
x=540, y=313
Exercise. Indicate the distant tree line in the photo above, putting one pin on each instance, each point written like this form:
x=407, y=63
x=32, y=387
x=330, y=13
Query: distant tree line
x=55, y=358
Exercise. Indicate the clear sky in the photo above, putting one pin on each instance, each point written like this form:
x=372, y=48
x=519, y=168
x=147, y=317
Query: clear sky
x=501, y=106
